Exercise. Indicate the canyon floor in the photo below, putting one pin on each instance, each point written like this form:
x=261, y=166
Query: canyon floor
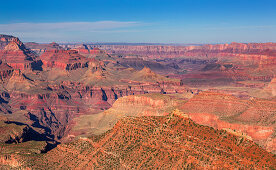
x=83, y=106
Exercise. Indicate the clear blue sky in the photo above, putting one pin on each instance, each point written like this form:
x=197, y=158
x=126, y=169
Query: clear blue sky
x=160, y=21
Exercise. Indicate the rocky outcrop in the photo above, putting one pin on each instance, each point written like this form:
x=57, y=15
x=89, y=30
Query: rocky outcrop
x=16, y=55
x=5, y=40
x=263, y=135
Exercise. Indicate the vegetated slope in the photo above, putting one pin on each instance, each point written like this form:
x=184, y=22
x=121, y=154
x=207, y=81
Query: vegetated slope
x=254, y=118
x=167, y=142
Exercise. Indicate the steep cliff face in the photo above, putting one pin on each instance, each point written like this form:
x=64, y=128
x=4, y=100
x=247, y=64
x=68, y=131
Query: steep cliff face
x=169, y=142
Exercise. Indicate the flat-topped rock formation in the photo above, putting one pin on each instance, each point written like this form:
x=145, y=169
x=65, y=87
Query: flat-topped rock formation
x=63, y=59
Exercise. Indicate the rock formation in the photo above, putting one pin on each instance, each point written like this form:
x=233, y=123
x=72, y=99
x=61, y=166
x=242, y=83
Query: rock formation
x=5, y=40
x=16, y=55
x=64, y=59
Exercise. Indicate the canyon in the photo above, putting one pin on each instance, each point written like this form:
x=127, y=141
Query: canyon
x=185, y=106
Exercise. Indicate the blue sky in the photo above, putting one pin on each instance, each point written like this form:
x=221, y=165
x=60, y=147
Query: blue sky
x=146, y=21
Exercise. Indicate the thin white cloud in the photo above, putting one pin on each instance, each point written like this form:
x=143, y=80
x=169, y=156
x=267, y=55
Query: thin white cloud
x=66, y=26
x=69, y=31
x=247, y=27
